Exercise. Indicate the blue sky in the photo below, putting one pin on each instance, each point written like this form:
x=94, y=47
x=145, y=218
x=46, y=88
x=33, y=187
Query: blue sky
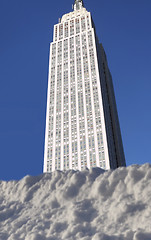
x=26, y=29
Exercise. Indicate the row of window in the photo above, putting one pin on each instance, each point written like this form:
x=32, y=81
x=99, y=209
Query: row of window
x=72, y=27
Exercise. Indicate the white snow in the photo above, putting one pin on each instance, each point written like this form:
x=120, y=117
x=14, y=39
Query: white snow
x=88, y=205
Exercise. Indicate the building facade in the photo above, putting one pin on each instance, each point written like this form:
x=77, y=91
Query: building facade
x=82, y=127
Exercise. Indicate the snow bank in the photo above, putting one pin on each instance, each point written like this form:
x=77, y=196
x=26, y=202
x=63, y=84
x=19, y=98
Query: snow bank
x=88, y=205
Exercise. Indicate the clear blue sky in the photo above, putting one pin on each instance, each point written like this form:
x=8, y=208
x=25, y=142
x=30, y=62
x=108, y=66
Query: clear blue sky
x=124, y=28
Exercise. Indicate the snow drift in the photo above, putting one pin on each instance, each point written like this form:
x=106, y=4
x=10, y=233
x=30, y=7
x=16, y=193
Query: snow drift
x=89, y=205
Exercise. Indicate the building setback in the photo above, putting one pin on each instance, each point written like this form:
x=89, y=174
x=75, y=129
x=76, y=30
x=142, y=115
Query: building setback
x=82, y=126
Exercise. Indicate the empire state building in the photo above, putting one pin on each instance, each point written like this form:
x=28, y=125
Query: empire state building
x=82, y=126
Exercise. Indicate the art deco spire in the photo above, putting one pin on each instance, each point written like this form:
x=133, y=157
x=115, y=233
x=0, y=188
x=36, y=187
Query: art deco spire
x=78, y=4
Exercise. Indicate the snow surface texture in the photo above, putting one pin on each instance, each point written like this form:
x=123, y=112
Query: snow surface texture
x=88, y=205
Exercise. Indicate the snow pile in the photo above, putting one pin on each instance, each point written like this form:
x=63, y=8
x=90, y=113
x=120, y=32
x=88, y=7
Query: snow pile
x=88, y=205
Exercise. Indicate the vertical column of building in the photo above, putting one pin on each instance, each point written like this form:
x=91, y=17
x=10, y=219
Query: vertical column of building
x=109, y=104
x=46, y=166
x=86, y=76
x=73, y=101
x=62, y=116
x=77, y=79
x=66, y=106
x=49, y=136
x=94, y=81
x=54, y=164
x=88, y=96
x=58, y=149
x=84, y=148
x=67, y=97
x=56, y=160
x=81, y=141
x=100, y=120
x=89, y=70
x=58, y=108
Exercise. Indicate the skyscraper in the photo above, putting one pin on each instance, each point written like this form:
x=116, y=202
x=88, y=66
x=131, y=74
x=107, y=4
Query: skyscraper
x=82, y=127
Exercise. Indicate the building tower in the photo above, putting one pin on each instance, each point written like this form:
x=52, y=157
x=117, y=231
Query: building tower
x=82, y=127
